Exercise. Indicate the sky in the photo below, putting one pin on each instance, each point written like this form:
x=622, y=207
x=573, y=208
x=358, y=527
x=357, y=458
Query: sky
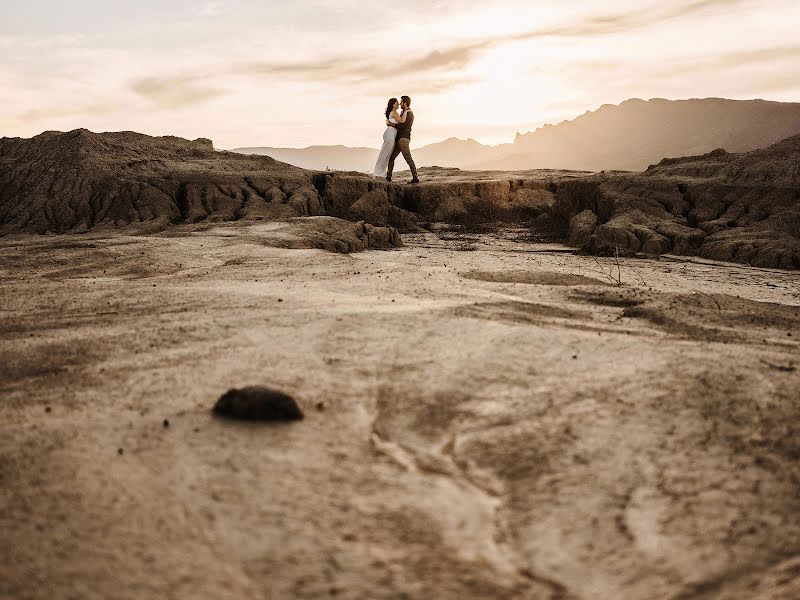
x=294, y=73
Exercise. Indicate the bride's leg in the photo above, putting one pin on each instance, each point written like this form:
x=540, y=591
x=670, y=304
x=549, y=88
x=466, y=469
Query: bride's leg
x=383, y=160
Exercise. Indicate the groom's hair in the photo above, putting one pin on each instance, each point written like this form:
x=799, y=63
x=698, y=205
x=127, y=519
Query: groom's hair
x=406, y=100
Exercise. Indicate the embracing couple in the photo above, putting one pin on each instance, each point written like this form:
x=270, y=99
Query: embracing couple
x=396, y=139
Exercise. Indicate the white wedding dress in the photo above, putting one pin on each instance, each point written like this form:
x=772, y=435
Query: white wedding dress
x=389, y=138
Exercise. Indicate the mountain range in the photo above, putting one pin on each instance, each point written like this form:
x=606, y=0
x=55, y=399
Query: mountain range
x=629, y=136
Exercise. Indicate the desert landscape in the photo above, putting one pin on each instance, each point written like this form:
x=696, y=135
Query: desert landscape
x=539, y=384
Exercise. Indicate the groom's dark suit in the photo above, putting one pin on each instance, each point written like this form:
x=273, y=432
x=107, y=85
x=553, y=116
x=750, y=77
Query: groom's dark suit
x=402, y=145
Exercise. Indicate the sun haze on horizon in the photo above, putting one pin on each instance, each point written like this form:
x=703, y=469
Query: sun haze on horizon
x=247, y=73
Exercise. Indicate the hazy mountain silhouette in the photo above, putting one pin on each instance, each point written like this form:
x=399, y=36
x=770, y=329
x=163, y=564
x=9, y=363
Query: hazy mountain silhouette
x=452, y=152
x=639, y=133
x=629, y=136
x=338, y=158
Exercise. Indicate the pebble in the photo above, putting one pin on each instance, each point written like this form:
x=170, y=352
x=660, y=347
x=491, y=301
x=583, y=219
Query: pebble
x=258, y=403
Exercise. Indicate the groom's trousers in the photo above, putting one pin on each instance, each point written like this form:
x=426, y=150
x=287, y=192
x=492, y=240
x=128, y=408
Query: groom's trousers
x=402, y=145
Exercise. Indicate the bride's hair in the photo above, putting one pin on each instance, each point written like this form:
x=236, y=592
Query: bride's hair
x=390, y=106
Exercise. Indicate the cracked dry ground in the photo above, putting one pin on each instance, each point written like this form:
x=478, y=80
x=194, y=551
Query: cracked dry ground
x=495, y=423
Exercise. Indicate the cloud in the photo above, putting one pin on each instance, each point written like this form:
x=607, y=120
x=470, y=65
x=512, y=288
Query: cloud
x=180, y=91
x=176, y=92
x=436, y=85
x=329, y=68
x=452, y=58
x=622, y=22
x=458, y=57
x=740, y=58
x=210, y=9
x=45, y=114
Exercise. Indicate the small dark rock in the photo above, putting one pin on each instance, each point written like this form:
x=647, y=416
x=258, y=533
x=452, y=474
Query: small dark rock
x=320, y=406
x=120, y=451
x=258, y=403
x=165, y=423
x=47, y=409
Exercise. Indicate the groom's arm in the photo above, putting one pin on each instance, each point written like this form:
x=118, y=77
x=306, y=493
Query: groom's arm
x=404, y=117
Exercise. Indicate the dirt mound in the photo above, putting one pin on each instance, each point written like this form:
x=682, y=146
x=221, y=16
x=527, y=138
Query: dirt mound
x=331, y=234
x=76, y=181
x=514, y=311
x=533, y=278
x=701, y=316
x=718, y=317
x=721, y=206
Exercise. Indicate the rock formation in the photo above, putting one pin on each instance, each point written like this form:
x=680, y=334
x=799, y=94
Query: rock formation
x=257, y=403
x=446, y=195
x=721, y=206
x=735, y=207
x=73, y=182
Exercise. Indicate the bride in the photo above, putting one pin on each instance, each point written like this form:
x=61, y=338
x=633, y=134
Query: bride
x=389, y=137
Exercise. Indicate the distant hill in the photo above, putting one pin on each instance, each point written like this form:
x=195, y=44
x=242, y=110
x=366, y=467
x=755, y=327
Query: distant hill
x=337, y=158
x=638, y=133
x=630, y=136
x=452, y=152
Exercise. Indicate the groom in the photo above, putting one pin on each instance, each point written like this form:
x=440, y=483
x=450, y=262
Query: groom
x=403, y=141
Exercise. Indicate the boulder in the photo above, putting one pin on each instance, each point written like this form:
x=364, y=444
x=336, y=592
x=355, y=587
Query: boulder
x=257, y=403
x=581, y=228
x=332, y=234
x=372, y=207
x=381, y=238
x=403, y=220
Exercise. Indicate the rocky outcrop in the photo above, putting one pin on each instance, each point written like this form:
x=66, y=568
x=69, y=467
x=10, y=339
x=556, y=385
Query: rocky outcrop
x=581, y=227
x=331, y=234
x=77, y=181
x=721, y=206
x=735, y=207
x=72, y=182
x=457, y=199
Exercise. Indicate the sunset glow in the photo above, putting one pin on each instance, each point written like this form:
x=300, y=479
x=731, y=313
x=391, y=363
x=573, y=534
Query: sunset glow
x=319, y=72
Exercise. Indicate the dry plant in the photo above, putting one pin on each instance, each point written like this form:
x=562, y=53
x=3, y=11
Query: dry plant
x=613, y=273
x=609, y=273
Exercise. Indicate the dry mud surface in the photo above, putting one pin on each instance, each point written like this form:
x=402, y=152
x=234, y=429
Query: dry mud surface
x=486, y=417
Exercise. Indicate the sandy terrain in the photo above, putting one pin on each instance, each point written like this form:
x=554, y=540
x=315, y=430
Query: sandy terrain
x=486, y=417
